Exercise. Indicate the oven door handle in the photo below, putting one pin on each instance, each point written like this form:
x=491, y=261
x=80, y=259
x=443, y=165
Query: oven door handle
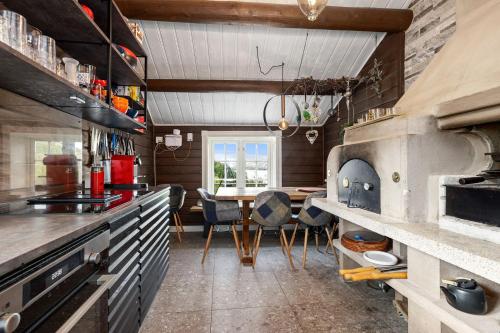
x=105, y=282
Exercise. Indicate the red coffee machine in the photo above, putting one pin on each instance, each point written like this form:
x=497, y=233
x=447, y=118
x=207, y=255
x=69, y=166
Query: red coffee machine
x=122, y=169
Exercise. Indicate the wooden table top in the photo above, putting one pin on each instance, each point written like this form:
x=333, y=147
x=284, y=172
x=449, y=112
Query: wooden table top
x=249, y=194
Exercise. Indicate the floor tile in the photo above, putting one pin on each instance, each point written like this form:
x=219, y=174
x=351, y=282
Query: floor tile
x=279, y=319
x=185, y=292
x=159, y=321
x=225, y=296
x=247, y=290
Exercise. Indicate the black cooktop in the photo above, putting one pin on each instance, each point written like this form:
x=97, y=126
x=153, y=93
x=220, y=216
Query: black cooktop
x=76, y=198
x=79, y=202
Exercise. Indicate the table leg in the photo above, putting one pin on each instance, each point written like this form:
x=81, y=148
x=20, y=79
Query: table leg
x=246, y=258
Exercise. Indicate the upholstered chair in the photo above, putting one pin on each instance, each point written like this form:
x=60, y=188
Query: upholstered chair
x=271, y=209
x=177, y=197
x=218, y=212
x=312, y=216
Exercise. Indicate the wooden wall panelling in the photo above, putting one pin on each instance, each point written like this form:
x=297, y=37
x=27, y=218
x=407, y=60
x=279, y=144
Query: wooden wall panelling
x=302, y=163
x=391, y=53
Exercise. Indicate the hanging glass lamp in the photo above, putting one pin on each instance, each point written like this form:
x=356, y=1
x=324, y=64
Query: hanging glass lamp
x=312, y=8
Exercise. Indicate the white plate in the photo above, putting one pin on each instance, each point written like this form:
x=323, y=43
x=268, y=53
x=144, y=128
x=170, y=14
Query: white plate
x=380, y=258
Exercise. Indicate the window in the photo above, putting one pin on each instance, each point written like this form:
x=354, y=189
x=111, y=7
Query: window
x=241, y=159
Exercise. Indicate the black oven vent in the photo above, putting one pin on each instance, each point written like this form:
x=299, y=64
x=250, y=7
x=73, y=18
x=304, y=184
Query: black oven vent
x=475, y=202
x=358, y=185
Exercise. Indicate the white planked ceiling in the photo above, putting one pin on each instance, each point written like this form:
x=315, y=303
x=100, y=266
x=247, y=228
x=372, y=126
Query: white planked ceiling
x=228, y=52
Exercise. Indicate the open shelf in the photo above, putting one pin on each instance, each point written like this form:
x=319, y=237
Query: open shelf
x=457, y=320
x=87, y=41
x=25, y=77
x=63, y=20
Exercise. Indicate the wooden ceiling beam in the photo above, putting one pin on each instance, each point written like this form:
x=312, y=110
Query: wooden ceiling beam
x=279, y=15
x=162, y=85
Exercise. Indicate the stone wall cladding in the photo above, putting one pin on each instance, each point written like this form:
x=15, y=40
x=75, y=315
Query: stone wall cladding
x=433, y=24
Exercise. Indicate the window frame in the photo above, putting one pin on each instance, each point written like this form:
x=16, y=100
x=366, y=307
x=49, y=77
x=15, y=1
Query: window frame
x=209, y=138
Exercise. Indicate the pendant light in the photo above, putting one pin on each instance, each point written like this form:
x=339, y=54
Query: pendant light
x=283, y=123
x=312, y=8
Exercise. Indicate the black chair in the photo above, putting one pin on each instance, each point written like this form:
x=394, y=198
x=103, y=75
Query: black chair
x=219, y=213
x=177, y=197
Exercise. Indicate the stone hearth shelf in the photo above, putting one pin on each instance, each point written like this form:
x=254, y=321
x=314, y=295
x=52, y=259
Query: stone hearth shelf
x=429, y=250
x=475, y=255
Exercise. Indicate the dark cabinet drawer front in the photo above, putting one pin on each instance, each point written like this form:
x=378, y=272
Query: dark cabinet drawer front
x=126, y=229
x=123, y=219
x=124, y=258
x=154, y=201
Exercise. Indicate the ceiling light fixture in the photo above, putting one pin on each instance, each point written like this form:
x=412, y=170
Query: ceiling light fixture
x=312, y=8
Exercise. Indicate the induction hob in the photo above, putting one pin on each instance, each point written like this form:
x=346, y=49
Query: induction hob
x=79, y=202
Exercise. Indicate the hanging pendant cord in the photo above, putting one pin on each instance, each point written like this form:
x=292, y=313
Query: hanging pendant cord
x=303, y=53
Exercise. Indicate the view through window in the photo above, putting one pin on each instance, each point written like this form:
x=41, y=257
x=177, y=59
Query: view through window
x=241, y=162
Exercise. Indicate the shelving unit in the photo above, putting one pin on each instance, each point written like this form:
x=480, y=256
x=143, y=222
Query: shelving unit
x=86, y=41
x=456, y=320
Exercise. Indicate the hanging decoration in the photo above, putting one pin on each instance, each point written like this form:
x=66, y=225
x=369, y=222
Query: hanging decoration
x=312, y=135
x=312, y=8
x=310, y=111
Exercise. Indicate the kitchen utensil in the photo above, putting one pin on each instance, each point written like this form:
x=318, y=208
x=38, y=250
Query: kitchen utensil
x=46, y=54
x=70, y=66
x=15, y=30
x=483, y=176
x=88, y=11
x=374, y=273
x=465, y=295
x=364, y=240
x=380, y=258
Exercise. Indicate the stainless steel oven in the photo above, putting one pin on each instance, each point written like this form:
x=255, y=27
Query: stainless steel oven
x=65, y=290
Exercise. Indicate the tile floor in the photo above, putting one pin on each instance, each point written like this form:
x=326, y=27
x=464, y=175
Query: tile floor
x=224, y=296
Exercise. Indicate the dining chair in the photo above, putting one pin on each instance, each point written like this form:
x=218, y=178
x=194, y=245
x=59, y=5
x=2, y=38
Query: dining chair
x=312, y=216
x=177, y=197
x=271, y=209
x=218, y=212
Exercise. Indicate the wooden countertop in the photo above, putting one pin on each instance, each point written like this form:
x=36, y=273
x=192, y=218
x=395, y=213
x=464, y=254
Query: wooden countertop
x=26, y=237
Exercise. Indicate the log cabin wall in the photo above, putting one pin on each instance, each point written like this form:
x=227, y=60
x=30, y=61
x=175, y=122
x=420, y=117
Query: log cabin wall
x=390, y=53
x=302, y=163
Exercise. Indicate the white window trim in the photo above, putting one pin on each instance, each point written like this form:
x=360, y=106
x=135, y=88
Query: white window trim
x=208, y=137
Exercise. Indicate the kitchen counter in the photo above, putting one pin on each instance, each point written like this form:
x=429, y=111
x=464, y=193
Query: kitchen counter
x=472, y=254
x=26, y=237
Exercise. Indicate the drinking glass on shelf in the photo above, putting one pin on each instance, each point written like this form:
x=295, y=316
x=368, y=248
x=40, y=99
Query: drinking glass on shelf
x=60, y=69
x=47, y=52
x=33, y=41
x=71, y=66
x=14, y=30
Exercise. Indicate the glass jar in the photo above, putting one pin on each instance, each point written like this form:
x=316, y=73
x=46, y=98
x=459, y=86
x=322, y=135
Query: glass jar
x=47, y=52
x=96, y=89
x=14, y=30
x=86, y=75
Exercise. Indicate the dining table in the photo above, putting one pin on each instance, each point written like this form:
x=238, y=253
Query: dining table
x=248, y=195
